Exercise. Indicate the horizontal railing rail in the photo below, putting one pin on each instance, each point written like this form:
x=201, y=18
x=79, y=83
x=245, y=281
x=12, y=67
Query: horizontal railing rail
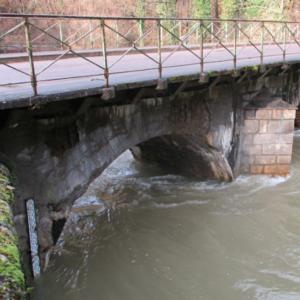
x=104, y=43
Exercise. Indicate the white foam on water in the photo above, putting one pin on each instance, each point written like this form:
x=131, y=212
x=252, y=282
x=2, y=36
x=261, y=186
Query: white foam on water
x=178, y=204
x=260, y=292
x=283, y=275
x=297, y=133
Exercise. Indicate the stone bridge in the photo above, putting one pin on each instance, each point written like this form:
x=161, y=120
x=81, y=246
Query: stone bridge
x=231, y=122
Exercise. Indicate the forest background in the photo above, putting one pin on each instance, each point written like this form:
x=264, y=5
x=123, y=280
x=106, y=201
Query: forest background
x=248, y=9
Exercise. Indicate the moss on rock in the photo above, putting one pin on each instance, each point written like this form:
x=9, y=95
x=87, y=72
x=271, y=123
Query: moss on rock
x=12, y=282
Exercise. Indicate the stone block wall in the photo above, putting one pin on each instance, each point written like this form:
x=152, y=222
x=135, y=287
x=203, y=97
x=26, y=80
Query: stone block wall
x=267, y=138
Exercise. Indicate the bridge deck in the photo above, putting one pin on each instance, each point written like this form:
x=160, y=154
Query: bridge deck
x=181, y=63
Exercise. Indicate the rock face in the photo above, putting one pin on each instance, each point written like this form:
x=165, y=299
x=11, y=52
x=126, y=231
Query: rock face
x=12, y=284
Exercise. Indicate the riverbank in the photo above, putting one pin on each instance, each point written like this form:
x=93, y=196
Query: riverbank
x=12, y=282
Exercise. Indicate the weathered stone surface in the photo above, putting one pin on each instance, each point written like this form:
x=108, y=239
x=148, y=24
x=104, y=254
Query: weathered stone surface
x=289, y=114
x=276, y=170
x=283, y=126
x=203, y=161
x=277, y=114
x=269, y=149
x=256, y=169
x=87, y=206
x=263, y=126
x=284, y=159
x=284, y=149
x=251, y=126
x=263, y=114
x=265, y=159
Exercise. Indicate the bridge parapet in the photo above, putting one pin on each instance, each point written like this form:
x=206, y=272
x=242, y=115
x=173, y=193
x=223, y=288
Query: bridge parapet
x=104, y=44
x=267, y=140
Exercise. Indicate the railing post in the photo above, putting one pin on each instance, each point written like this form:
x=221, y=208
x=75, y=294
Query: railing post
x=30, y=56
x=262, y=41
x=61, y=35
x=161, y=84
x=235, y=45
x=180, y=29
x=141, y=31
x=203, y=78
x=91, y=34
x=239, y=33
x=104, y=53
x=284, y=42
x=159, y=50
x=117, y=36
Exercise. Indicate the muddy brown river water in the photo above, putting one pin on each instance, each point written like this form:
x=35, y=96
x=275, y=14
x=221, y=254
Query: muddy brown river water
x=177, y=239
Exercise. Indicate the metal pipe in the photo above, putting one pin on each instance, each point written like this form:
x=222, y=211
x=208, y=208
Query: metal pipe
x=33, y=238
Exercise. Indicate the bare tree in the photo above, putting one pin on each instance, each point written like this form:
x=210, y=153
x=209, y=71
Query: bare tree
x=214, y=9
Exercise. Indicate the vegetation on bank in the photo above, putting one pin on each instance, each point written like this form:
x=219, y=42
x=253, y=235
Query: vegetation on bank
x=275, y=9
x=12, y=283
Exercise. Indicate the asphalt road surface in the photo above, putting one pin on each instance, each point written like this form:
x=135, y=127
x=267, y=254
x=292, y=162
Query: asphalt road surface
x=130, y=69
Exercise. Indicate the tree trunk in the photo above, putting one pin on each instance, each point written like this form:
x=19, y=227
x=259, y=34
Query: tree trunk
x=214, y=9
x=214, y=13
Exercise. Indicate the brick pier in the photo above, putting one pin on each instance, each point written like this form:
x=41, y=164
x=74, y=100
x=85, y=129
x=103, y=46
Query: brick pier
x=267, y=138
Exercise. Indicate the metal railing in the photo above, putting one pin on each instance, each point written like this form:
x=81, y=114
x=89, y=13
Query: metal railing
x=104, y=42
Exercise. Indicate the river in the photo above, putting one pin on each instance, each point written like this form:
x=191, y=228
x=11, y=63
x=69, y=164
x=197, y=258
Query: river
x=178, y=239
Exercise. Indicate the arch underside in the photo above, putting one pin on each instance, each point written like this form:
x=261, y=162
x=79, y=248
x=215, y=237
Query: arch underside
x=186, y=155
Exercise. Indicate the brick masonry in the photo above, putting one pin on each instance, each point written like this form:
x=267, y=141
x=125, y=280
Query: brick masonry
x=267, y=138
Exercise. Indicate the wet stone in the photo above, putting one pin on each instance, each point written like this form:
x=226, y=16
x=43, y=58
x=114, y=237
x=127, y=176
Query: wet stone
x=88, y=205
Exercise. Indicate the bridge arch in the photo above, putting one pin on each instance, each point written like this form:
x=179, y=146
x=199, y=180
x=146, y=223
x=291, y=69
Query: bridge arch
x=56, y=152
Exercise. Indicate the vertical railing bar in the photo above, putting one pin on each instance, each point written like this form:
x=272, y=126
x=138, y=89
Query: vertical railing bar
x=141, y=31
x=117, y=29
x=201, y=50
x=159, y=29
x=239, y=33
x=104, y=52
x=284, y=42
x=30, y=56
x=162, y=36
x=61, y=34
x=235, y=45
x=91, y=38
x=262, y=40
x=180, y=29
